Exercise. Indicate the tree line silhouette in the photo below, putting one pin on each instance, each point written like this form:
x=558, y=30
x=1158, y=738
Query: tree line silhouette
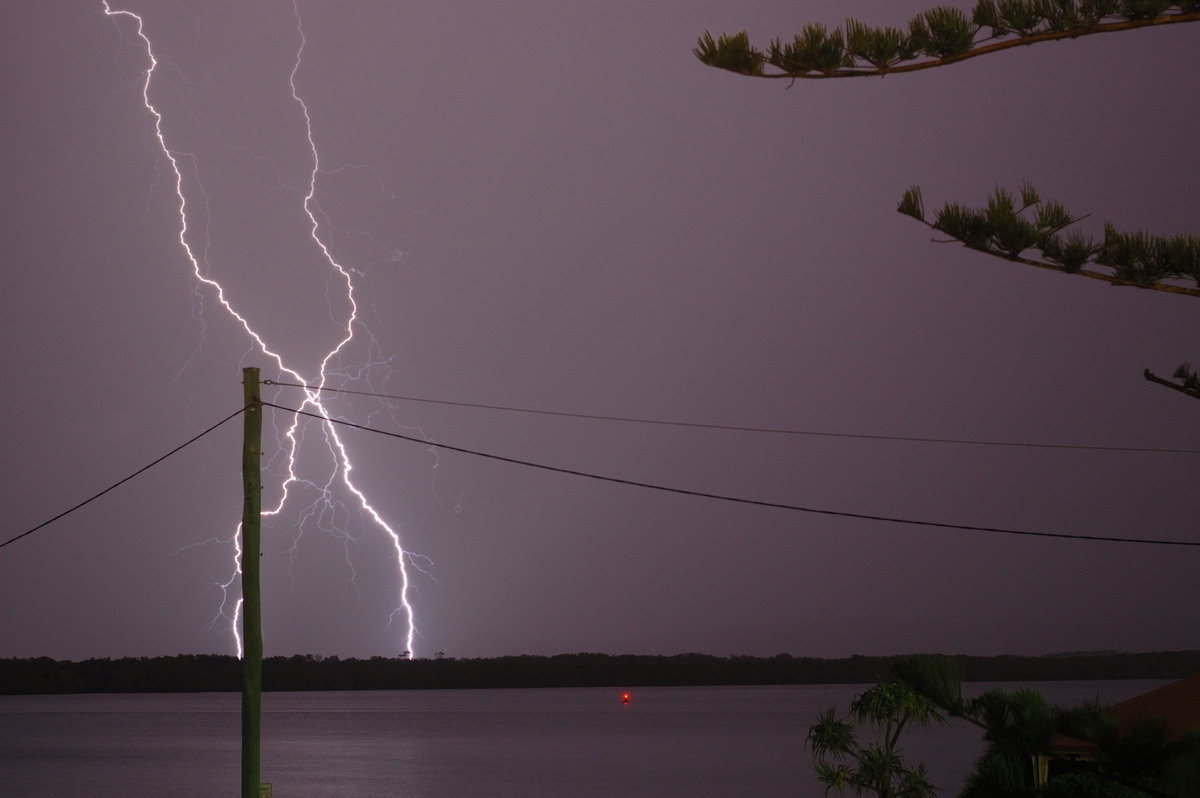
x=219, y=673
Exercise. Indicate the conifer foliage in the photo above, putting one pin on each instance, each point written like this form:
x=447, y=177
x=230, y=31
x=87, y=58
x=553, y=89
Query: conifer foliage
x=1018, y=227
x=938, y=36
x=1009, y=225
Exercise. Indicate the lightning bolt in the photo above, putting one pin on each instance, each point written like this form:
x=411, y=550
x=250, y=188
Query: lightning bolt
x=324, y=506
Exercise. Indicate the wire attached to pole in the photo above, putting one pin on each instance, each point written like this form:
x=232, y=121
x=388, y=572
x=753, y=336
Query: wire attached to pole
x=117, y=484
x=757, y=502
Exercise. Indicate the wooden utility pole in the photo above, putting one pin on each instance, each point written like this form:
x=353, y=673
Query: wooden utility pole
x=252, y=646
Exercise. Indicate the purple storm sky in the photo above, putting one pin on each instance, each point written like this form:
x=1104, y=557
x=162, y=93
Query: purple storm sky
x=555, y=206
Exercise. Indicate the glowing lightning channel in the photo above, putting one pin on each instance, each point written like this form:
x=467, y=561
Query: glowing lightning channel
x=312, y=395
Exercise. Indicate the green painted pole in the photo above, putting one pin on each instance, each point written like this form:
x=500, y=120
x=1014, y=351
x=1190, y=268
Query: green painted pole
x=252, y=646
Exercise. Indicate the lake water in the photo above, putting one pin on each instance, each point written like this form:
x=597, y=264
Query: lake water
x=668, y=741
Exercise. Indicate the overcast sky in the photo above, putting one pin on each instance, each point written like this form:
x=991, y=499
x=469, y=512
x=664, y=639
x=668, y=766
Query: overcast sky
x=554, y=206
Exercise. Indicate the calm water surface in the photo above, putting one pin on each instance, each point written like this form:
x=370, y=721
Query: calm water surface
x=669, y=741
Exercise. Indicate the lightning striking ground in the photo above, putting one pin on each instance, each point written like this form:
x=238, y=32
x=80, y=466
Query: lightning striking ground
x=292, y=437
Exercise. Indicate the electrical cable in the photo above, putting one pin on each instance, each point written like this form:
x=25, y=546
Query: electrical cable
x=760, y=503
x=729, y=426
x=126, y=479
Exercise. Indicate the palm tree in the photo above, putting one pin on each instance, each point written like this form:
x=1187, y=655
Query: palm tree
x=841, y=760
x=1131, y=763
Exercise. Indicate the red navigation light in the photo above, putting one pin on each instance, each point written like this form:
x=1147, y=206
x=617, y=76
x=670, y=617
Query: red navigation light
x=625, y=698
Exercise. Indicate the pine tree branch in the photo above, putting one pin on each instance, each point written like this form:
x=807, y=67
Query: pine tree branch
x=1136, y=260
x=751, y=61
x=1054, y=267
x=1175, y=386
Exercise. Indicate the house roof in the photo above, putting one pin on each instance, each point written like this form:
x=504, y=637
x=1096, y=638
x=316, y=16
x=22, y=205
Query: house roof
x=1177, y=703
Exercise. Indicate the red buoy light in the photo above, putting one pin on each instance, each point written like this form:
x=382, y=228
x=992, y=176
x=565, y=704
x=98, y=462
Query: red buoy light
x=625, y=698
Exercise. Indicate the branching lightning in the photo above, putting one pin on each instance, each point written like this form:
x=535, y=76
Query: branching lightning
x=343, y=470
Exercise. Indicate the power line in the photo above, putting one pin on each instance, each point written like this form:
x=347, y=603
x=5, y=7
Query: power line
x=660, y=422
x=117, y=484
x=757, y=502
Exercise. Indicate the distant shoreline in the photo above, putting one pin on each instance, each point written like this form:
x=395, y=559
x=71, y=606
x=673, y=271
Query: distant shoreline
x=221, y=673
